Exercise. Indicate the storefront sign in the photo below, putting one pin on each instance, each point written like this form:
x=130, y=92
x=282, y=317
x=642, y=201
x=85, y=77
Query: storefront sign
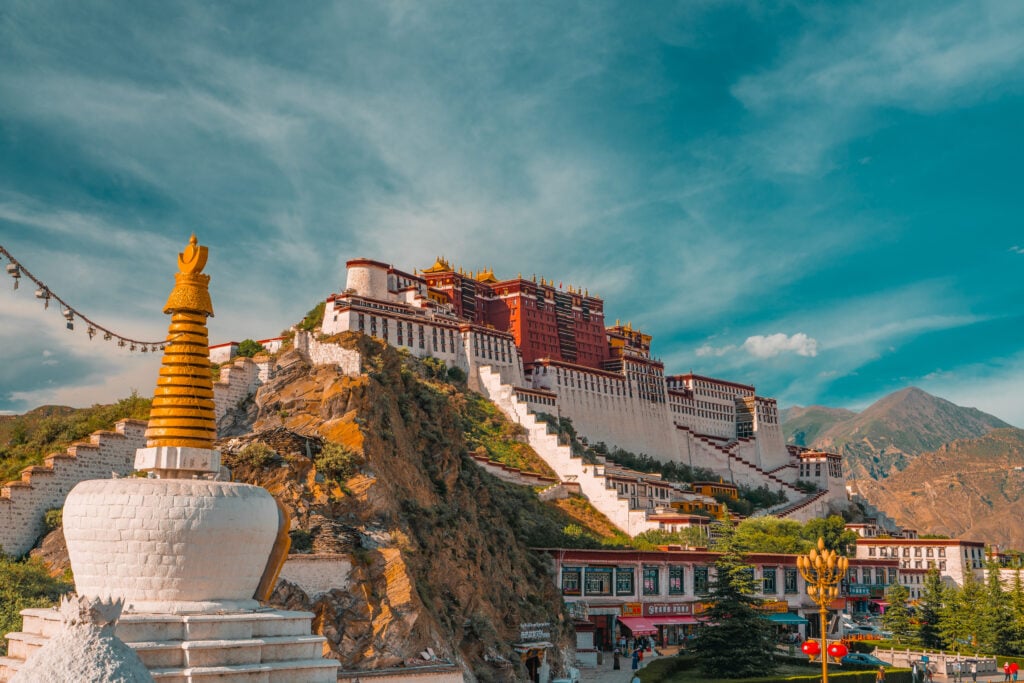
x=700, y=607
x=774, y=606
x=632, y=609
x=854, y=589
x=661, y=609
x=534, y=632
x=838, y=604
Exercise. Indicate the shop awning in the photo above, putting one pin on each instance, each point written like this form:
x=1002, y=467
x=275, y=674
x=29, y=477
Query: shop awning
x=673, y=620
x=639, y=626
x=786, y=618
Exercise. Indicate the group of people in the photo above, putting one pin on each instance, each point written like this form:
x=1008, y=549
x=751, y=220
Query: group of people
x=635, y=648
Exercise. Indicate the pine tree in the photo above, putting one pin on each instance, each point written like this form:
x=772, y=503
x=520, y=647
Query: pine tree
x=995, y=628
x=1016, y=645
x=960, y=619
x=897, y=615
x=735, y=640
x=932, y=598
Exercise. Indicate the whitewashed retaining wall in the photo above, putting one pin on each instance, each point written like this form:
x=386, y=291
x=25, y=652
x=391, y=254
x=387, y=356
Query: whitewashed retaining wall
x=238, y=380
x=24, y=502
x=590, y=478
x=328, y=354
x=318, y=574
x=430, y=674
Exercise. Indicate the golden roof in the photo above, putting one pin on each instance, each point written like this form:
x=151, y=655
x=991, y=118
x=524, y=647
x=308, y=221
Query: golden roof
x=487, y=276
x=182, y=413
x=440, y=266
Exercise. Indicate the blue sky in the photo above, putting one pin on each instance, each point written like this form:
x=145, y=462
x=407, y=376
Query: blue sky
x=821, y=200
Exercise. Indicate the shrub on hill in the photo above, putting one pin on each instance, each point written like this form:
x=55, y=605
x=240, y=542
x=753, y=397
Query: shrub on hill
x=25, y=584
x=26, y=439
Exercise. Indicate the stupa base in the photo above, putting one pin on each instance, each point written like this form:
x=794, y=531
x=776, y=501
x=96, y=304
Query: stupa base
x=264, y=646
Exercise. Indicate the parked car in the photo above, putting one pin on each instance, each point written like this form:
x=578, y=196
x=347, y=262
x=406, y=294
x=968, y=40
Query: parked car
x=867, y=631
x=863, y=659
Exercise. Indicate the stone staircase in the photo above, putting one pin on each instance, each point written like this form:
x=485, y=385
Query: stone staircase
x=24, y=502
x=569, y=467
x=270, y=646
x=794, y=509
x=728, y=450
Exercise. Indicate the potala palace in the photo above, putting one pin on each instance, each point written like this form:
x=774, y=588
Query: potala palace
x=532, y=347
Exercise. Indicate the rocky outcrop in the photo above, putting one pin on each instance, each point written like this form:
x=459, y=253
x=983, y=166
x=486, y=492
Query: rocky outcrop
x=439, y=549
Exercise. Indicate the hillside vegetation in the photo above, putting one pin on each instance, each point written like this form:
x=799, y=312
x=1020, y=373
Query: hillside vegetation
x=26, y=439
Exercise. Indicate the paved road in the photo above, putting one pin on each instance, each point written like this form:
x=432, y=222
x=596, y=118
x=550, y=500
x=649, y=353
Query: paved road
x=606, y=674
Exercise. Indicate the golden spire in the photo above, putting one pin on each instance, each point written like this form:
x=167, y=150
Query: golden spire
x=182, y=413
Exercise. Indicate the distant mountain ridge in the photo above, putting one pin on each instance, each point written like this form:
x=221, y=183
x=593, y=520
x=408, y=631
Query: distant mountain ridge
x=886, y=436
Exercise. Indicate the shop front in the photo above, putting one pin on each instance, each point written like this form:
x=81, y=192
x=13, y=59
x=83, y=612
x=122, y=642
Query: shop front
x=668, y=623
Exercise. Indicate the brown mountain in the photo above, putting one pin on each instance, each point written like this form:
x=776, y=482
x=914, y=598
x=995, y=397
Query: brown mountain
x=890, y=433
x=970, y=488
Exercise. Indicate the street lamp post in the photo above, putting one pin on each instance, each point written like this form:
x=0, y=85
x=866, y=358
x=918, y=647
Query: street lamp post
x=822, y=571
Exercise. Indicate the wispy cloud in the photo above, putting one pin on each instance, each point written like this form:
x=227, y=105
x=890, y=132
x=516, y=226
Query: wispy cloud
x=854, y=59
x=767, y=346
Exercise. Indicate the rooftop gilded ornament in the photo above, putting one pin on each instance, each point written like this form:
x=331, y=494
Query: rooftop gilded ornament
x=183, y=410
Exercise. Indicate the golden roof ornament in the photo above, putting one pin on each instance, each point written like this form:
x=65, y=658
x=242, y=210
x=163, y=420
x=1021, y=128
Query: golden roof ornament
x=183, y=410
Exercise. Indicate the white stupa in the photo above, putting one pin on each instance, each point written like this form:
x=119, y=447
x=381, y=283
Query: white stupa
x=189, y=557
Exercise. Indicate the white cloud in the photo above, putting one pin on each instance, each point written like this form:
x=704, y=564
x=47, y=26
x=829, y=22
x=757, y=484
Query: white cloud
x=766, y=346
x=1016, y=249
x=774, y=344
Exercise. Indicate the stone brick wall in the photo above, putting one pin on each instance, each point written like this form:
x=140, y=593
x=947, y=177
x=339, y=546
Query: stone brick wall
x=24, y=502
x=328, y=354
x=238, y=380
x=317, y=574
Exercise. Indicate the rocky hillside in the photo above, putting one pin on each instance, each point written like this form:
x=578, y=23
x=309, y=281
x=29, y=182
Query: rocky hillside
x=890, y=433
x=377, y=466
x=802, y=426
x=970, y=488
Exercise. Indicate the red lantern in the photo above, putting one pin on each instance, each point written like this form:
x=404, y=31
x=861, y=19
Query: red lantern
x=837, y=650
x=810, y=648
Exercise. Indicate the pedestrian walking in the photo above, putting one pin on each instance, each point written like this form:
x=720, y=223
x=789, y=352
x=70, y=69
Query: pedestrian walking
x=615, y=660
x=636, y=659
x=880, y=676
x=1013, y=671
x=974, y=672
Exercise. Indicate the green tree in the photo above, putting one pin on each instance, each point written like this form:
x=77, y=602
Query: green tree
x=833, y=530
x=24, y=584
x=249, y=348
x=771, y=535
x=960, y=619
x=1017, y=614
x=932, y=598
x=897, y=615
x=995, y=627
x=732, y=623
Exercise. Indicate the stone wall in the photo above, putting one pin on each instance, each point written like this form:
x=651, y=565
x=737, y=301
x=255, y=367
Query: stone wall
x=317, y=574
x=425, y=674
x=24, y=502
x=328, y=354
x=239, y=380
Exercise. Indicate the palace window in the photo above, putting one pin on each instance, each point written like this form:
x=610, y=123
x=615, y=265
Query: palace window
x=880, y=575
x=624, y=581
x=871, y=552
x=362, y=322
x=676, y=580
x=768, y=582
x=373, y=326
x=700, y=580
x=917, y=552
x=790, y=581
x=597, y=581
x=942, y=552
x=571, y=580
x=892, y=575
